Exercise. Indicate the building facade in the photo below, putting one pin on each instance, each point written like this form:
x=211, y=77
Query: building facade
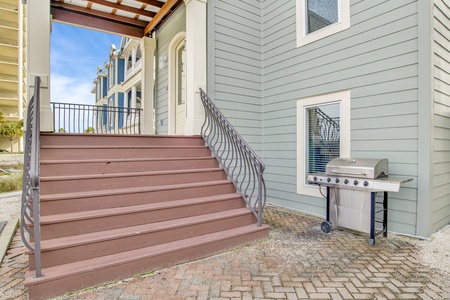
x=13, y=60
x=382, y=69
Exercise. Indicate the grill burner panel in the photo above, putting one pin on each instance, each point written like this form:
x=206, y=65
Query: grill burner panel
x=388, y=184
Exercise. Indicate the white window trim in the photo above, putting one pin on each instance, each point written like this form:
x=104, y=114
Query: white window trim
x=343, y=98
x=343, y=23
x=171, y=80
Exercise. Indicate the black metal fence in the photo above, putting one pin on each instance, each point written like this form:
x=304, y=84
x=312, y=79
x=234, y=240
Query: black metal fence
x=83, y=118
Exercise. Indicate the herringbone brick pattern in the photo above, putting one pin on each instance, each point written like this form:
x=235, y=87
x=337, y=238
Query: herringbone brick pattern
x=297, y=262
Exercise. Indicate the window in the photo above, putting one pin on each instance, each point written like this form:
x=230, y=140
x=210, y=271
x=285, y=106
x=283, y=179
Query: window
x=317, y=19
x=180, y=57
x=323, y=133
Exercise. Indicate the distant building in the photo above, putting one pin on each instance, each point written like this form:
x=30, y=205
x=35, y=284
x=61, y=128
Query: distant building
x=118, y=88
x=12, y=65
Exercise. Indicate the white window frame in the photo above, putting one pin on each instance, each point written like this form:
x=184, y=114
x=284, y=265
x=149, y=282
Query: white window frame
x=343, y=98
x=304, y=38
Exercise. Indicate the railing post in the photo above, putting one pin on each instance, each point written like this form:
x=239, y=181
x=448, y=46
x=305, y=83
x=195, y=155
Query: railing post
x=260, y=200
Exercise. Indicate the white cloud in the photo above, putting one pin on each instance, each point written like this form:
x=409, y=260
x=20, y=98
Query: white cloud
x=71, y=90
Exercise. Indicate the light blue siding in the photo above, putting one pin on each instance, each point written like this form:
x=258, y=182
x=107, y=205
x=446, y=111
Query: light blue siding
x=164, y=35
x=377, y=60
x=441, y=180
x=235, y=65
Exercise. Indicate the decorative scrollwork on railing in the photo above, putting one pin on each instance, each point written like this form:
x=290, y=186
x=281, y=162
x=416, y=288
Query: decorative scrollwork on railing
x=29, y=216
x=243, y=167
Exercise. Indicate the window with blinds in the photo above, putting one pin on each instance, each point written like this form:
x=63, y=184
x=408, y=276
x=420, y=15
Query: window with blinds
x=321, y=13
x=317, y=19
x=323, y=135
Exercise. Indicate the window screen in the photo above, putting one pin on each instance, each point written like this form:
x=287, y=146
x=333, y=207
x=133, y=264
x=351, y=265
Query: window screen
x=321, y=13
x=323, y=135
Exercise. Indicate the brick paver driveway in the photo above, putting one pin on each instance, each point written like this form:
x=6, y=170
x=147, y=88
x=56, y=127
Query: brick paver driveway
x=297, y=262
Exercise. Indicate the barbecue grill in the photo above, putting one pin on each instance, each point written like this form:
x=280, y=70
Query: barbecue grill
x=352, y=187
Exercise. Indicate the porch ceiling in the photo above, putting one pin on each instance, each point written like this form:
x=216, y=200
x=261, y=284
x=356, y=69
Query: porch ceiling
x=136, y=18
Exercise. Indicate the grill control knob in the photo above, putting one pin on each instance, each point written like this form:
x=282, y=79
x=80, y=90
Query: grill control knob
x=355, y=182
x=315, y=178
x=346, y=181
x=328, y=179
x=366, y=183
x=337, y=180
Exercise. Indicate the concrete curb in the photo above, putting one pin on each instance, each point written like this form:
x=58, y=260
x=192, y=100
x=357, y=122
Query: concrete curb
x=7, y=235
x=11, y=194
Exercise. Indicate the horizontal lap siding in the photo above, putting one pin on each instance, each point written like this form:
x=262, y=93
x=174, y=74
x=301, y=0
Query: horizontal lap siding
x=234, y=65
x=377, y=60
x=164, y=35
x=441, y=182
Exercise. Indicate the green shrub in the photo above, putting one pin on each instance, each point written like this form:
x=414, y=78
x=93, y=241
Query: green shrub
x=11, y=183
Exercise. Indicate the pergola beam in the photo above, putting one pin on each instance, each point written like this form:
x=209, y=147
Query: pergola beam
x=163, y=11
x=129, y=9
x=88, y=11
x=96, y=23
x=154, y=3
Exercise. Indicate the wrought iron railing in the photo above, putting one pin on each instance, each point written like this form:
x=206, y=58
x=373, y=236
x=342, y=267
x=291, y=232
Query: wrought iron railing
x=83, y=118
x=29, y=216
x=243, y=167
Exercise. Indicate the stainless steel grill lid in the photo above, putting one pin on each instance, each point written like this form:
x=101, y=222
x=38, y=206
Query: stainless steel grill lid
x=370, y=168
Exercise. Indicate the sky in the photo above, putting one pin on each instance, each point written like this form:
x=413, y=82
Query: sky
x=75, y=54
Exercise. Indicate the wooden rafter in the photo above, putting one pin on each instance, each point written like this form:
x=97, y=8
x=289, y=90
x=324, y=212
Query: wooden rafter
x=122, y=7
x=94, y=22
x=154, y=3
x=88, y=11
x=163, y=11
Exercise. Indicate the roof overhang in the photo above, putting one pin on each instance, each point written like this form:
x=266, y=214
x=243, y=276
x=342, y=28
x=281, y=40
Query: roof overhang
x=134, y=18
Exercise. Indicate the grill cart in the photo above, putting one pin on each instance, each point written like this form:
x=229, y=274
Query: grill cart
x=352, y=186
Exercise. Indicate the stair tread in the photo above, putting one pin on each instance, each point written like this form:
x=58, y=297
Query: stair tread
x=119, y=147
x=99, y=263
x=112, y=135
x=91, y=214
x=129, y=174
x=114, y=160
x=133, y=190
x=71, y=241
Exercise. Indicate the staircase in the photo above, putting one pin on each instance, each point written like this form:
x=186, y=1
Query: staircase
x=116, y=206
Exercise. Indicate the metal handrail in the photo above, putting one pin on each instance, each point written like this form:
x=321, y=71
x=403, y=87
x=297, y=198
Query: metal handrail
x=243, y=167
x=30, y=214
x=84, y=118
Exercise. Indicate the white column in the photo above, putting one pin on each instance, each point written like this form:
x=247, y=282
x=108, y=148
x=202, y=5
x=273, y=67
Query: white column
x=148, y=46
x=196, y=64
x=133, y=96
x=38, y=56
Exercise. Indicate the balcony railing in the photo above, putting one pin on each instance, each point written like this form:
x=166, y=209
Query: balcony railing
x=82, y=118
x=243, y=167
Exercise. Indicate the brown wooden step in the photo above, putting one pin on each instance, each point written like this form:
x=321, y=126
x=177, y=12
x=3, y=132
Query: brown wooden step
x=120, y=152
x=96, y=182
x=47, y=139
x=110, y=166
x=55, y=226
x=81, y=247
x=94, y=200
x=74, y=276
